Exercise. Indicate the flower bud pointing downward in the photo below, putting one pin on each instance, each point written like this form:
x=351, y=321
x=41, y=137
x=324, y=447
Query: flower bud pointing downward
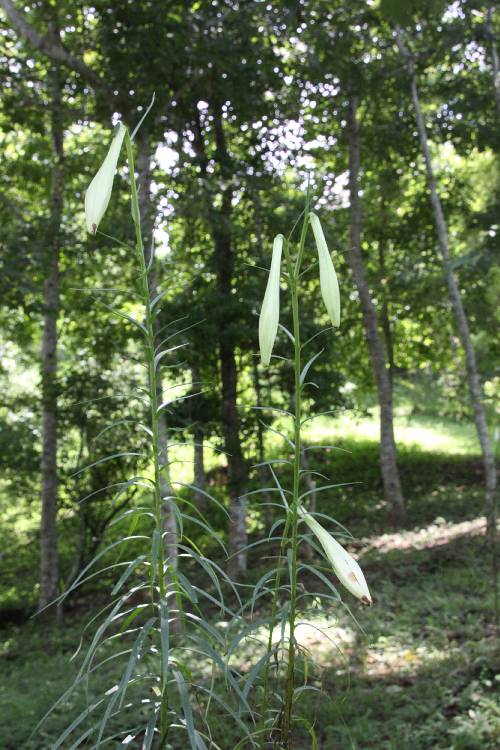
x=99, y=191
x=344, y=566
x=327, y=276
x=270, y=312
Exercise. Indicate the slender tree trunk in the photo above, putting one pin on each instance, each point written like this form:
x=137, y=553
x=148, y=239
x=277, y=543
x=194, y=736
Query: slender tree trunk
x=49, y=555
x=79, y=553
x=199, y=479
x=495, y=69
x=388, y=457
x=263, y=471
x=230, y=419
x=170, y=531
x=475, y=387
x=199, y=460
x=384, y=310
x=220, y=228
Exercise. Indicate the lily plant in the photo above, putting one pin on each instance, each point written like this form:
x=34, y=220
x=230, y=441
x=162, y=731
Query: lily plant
x=151, y=596
x=344, y=566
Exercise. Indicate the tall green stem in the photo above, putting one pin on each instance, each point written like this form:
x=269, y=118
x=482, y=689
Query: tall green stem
x=293, y=280
x=157, y=556
x=272, y=623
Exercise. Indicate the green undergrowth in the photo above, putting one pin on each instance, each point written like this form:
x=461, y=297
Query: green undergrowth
x=426, y=674
x=425, y=670
x=434, y=456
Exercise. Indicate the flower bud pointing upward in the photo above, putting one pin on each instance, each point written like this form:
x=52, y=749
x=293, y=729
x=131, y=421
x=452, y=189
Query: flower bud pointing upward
x=327, y=276
x=270, y=312
x=344, y=566
x=99, y=191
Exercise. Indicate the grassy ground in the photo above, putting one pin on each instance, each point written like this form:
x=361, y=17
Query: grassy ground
x=425, y=673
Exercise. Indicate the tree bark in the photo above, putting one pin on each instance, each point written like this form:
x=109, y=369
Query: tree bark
x=263, y=471
x=495, y=69
x=199, y=479
x=49, y=555
x=384, y=308
x=388, y=457
x=474, y=383
x=230, y=419
x=199, y=461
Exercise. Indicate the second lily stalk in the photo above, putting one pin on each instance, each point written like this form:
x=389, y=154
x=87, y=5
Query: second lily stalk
x=293, y=270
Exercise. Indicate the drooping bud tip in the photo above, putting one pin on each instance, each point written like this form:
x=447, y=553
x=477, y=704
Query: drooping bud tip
x=98, y=192
x=269, y=314
x=343, y=564
x=327, y=276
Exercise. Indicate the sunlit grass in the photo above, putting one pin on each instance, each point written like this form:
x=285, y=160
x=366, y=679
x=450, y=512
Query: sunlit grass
x=427, y=433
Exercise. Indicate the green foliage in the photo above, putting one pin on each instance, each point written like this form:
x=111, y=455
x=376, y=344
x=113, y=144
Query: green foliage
x=424, y=672
x=250, y=97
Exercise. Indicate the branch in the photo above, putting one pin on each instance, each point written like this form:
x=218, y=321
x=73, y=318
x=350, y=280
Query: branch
x=403, y=50
x=49, y=46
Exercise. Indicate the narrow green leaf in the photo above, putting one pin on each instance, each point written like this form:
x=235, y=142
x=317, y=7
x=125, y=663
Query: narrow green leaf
x=158, y=298
x=288, y=333
x=186, y=707
x=326, y=487
x=130, y=319
x=150, y=731
x=105, y=459
x=165, y=641
x=134, y=656
x=155, y=542
x=75, y=723
x=307, y=366
x=127, y=573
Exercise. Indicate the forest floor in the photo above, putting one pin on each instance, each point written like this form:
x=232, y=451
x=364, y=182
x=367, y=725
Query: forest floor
x=423, y=671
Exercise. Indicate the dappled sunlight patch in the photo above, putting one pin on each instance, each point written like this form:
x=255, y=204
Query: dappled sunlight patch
x=319, y=637
x=436, y=534
x=324, y=638
x=395, y=660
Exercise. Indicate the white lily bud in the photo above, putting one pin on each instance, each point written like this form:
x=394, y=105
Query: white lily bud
x=99, y=191
x=270, y=312
x=327, y=276
x=344, y=566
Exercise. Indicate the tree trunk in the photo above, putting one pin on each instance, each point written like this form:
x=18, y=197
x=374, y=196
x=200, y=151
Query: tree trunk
x=199, y=479
x=220, y=229
x=494, y=56
x=388, y=457
x=49, y=555
x=230, y=418
x=263, y=471
x=199, y=462
x=79, y=552
x=475, y=387
x=384, y=309
x=170, y=531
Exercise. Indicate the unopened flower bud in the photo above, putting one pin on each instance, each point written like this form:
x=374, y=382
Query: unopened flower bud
x=344, y=566
x=99, y=191
x=270, y=312
x=327, y=276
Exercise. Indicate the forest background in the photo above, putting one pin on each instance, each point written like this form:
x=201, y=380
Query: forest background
x=390, y=113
